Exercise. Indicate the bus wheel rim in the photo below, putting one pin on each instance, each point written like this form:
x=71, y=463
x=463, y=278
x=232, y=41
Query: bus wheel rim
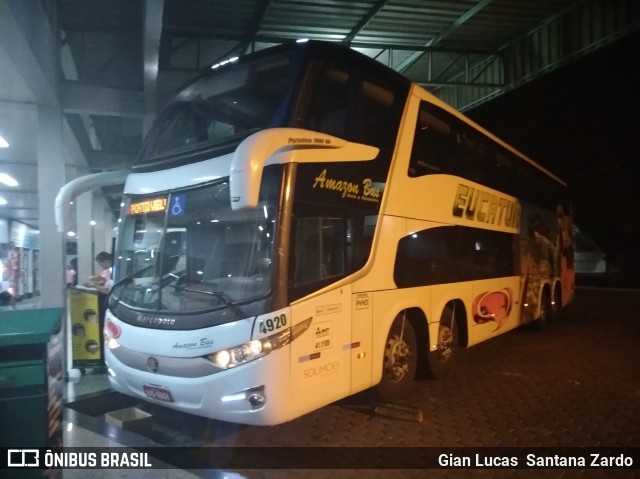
x=445, y=343
x=397, y=359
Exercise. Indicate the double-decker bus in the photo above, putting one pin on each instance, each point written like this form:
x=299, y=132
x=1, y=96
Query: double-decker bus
x=305, y=223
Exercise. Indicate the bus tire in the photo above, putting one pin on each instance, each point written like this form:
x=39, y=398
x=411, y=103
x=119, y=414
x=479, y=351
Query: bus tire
x=441, y=359
x=546, y=311
x=399, y=361
x=557, y=303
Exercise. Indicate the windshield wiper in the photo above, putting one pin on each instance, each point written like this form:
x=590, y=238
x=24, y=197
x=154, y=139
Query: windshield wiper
x=129, y=278
x=222, y=296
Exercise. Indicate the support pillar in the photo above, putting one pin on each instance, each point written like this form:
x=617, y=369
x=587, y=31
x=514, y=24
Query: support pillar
x=98, y=217
x=51, y=177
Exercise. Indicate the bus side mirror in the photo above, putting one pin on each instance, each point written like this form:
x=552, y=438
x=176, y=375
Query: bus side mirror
x=78, y=186
x=285, y=145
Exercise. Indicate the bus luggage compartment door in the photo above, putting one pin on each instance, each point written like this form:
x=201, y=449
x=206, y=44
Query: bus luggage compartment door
x=321, y=357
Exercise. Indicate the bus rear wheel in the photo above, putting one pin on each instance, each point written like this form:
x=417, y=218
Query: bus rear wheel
x=441, y=359
x=399, y=362
x=546, y=311
x=556, y=308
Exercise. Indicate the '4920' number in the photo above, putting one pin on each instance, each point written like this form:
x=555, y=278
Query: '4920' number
x=273, y=324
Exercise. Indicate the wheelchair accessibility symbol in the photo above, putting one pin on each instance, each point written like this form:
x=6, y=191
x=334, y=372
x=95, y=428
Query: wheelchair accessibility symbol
x=177, y=205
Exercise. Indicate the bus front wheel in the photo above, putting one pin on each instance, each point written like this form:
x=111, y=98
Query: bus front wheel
x=441, y=358
x=399, y=362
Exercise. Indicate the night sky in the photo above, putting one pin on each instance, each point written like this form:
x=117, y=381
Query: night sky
x=582, y=122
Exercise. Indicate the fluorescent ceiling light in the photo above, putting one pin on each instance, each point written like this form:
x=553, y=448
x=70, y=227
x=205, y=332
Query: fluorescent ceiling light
x=3, y=143
x=2, y=201
x=230, y=60
x=8, y=180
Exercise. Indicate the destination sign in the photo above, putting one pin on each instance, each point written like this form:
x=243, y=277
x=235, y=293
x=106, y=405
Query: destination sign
x=152, y=205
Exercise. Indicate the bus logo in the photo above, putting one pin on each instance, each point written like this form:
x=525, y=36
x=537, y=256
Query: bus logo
x=367, y=191
x=23, y=458
x=478, y=205
x=493, y=306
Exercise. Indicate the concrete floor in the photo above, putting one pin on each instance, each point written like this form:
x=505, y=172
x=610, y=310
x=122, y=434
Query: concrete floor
x=574, y=384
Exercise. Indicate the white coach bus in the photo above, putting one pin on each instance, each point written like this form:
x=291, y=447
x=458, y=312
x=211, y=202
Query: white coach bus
x=304, y=223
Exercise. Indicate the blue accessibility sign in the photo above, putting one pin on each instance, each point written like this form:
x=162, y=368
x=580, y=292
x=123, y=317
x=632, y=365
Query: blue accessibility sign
x=177, y=205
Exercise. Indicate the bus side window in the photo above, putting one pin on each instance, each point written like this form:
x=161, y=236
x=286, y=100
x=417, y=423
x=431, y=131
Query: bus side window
x=320, y=249
x=360, y=236
x=329, y=112
x=326, y=245
x=433, y=145
x=449, y=254
x=425, y=257
x=380, y=115
x=443, y=144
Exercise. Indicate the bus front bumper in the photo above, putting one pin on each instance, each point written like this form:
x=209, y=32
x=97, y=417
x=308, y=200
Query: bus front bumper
x=251, y=393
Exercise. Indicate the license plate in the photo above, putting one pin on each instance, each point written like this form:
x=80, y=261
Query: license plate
x=156, y=392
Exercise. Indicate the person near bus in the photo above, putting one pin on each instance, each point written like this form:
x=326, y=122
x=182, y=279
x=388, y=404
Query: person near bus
x=102, y=280
x=70, y=274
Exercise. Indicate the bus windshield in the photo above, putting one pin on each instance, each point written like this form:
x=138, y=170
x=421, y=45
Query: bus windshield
x=223, y=107
x=187, y=251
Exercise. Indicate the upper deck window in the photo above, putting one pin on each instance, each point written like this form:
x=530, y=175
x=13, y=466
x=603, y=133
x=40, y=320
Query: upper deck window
x=444, y=144
x=357, y=104
x=316, y=86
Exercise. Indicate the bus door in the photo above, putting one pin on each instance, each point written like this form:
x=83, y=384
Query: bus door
x=321, y=357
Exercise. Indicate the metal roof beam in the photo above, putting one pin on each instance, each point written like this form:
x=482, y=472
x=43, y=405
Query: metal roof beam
x=446, y=83
x=152, y=32
x=422, y=48
x=364, y=22
x=443, y=34
x=244, y=44
x=79, y=97
x=104, y=160
x=31, y=46
x=567, y=34
x=257, y=21
x=394, y=46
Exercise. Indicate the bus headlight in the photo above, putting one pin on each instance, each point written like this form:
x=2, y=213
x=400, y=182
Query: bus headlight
x=249, y=351
x=111, y=343
x=256, y=348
